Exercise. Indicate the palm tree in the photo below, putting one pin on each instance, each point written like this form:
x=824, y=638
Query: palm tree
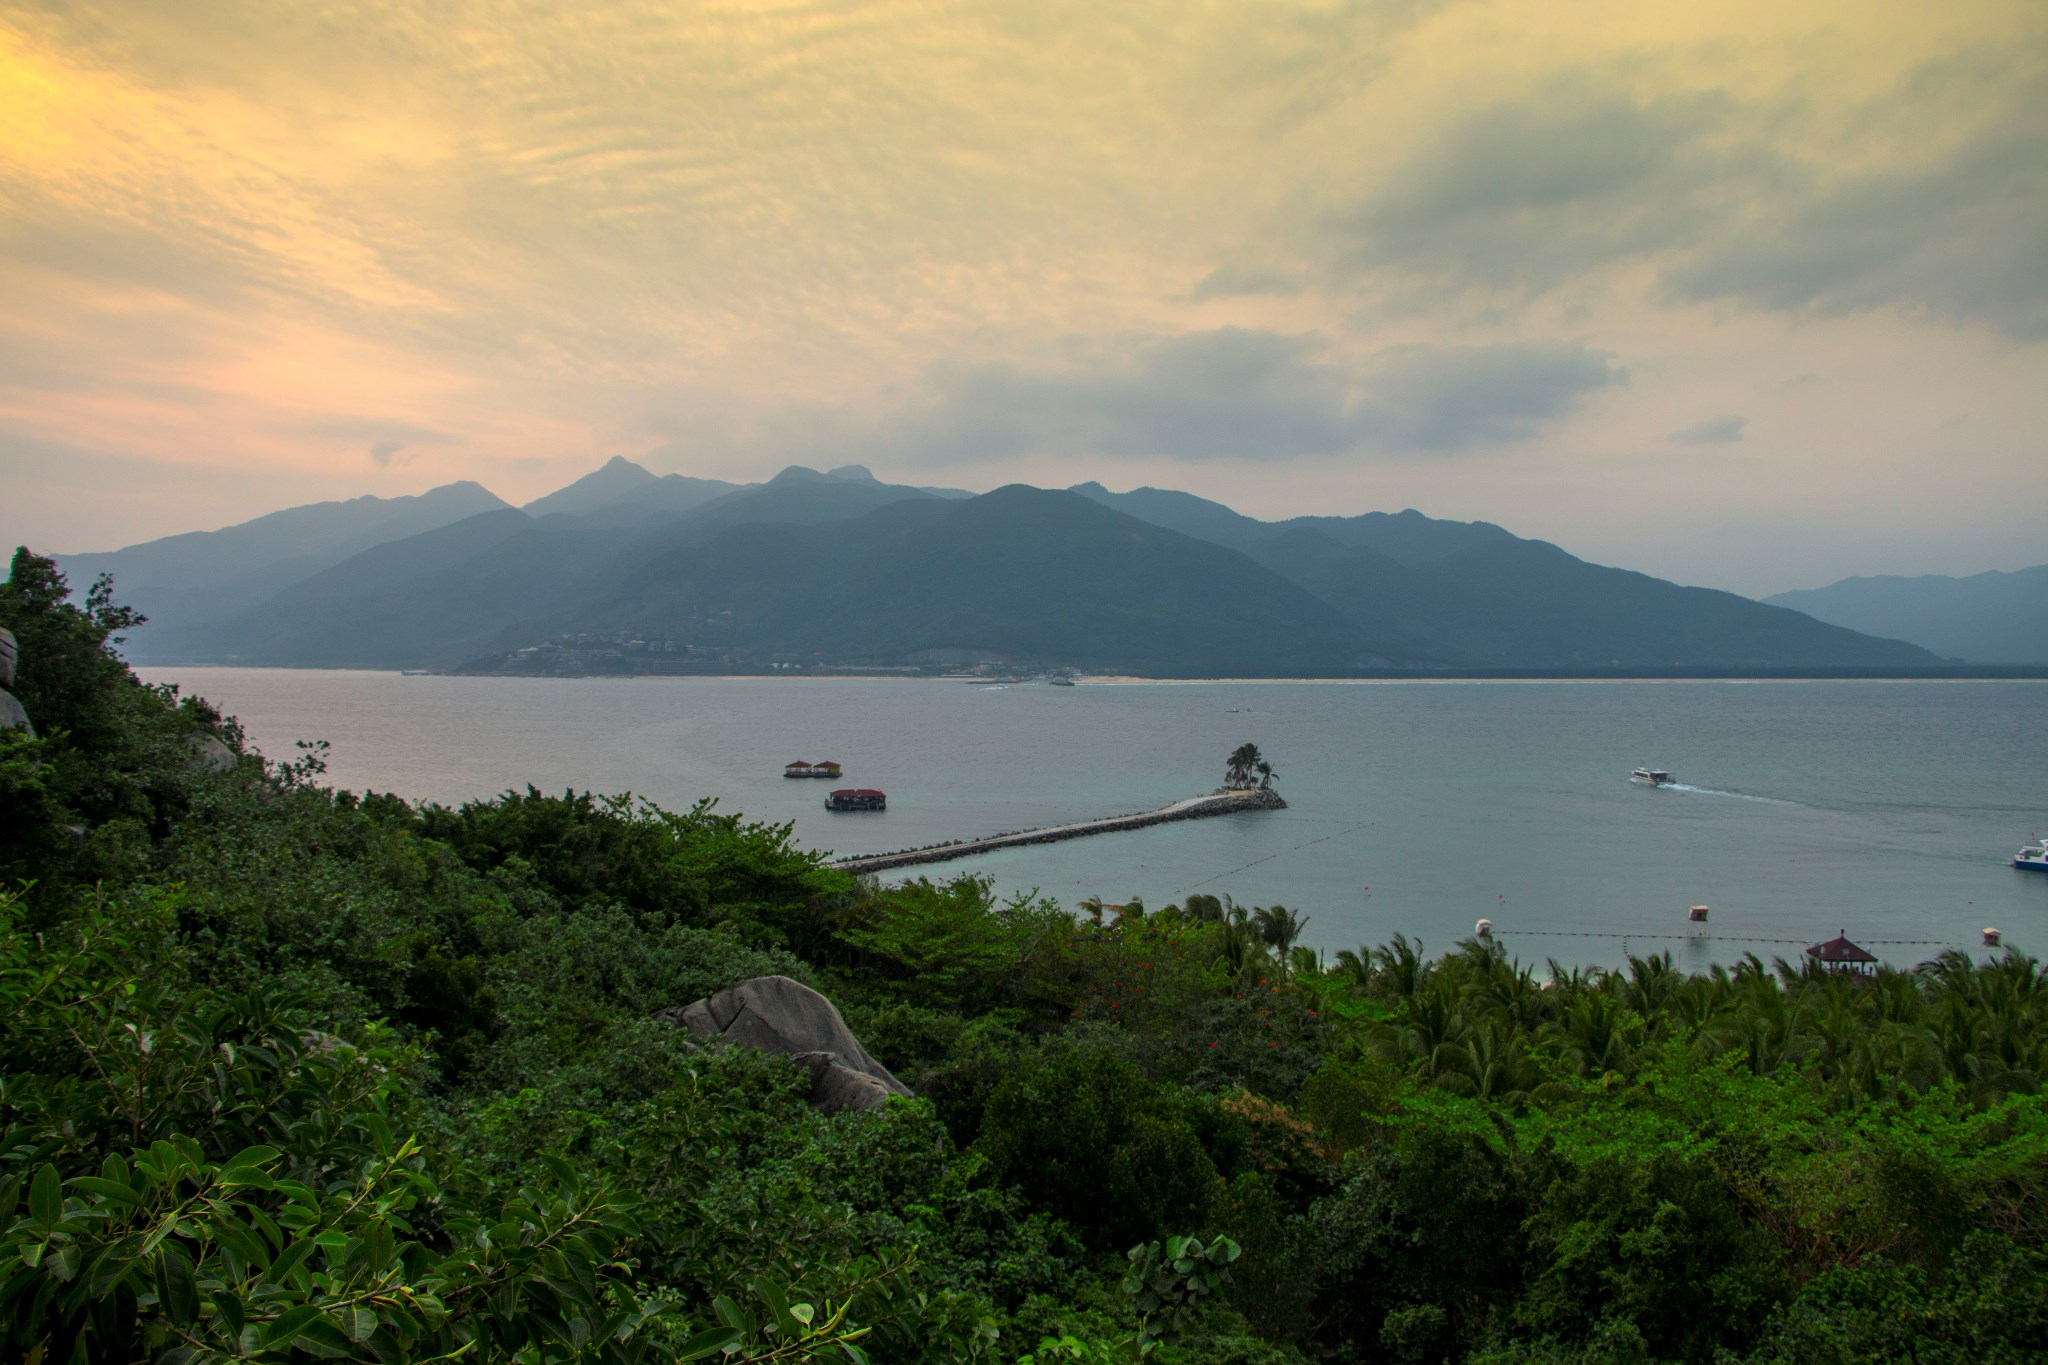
x=1266, y=774
x=1243, y=760
x=1278, y=927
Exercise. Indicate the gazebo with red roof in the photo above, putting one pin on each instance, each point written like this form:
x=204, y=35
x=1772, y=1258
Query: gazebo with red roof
x=1838, y=954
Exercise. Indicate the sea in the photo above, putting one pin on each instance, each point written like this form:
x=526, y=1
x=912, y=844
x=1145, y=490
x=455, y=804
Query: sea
x=1888, y=811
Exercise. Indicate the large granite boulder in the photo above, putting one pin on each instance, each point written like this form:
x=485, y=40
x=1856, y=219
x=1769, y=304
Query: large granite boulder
x=211, y=754
x=776, y=1014
x=12, y=715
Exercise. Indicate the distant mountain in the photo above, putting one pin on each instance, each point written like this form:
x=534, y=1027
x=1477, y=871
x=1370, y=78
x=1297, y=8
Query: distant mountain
x=622, y=492
x=187, y=583
x=837, y=566
x=441, y=598
x=1470, y=595
x=1022, y=572
x=1984, y=618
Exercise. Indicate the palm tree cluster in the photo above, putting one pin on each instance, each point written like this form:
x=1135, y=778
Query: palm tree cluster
x=1475, y=1022
x=1245, y=765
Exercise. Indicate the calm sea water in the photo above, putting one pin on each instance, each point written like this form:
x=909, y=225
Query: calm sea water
x=1886, y=809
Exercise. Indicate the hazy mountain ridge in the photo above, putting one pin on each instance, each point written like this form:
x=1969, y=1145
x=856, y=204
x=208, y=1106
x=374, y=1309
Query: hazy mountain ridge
x=1995, y=617
x=186, y=584
x=836, y=566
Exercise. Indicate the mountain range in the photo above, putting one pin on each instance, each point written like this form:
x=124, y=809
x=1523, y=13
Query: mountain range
x=1984, y=618
x=839, y=568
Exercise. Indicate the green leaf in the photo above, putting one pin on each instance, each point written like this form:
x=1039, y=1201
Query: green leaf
x=284, y=1267
x=854, y=1353
x=106, y=1189
x=46, y=1196
x=258, y=1155
x=359, y=1323
x=32, y=1253
x=63, y=1265
x=322, y=1338
x=707, y=1343
x=177, y=1287
x=227, y=1310
x=289, y=1324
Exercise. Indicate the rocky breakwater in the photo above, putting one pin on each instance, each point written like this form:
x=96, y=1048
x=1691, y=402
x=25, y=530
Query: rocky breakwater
x=776, y=1014
x=1226, y=802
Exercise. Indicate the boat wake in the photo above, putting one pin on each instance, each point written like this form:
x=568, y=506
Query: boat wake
x=1715, y=791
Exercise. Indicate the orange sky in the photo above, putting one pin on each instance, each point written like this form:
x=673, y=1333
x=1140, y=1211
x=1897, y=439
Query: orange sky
x=1753, y=295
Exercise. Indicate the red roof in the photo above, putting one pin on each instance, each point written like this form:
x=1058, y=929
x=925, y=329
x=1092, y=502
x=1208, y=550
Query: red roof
x=798, y=764
x=868, y=791
x=1839, y=949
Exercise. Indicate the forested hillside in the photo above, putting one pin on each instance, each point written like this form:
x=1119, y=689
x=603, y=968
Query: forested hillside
x=289, y=1073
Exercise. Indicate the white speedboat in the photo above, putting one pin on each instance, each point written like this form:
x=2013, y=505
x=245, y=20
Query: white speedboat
x=2034, y=857
x=1652, y=777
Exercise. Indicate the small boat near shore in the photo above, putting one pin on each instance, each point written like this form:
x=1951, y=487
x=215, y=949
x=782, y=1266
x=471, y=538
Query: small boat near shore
x=2033, y=857
x=1652, y=777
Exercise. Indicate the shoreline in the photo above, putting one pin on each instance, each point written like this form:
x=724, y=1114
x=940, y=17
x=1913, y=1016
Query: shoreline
x=1191, y=808
x=1981, y=673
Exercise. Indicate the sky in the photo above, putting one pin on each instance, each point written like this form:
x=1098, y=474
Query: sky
x=1751, y=295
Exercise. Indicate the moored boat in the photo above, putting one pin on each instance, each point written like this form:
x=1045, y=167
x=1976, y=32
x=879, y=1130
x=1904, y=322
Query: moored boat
x=803, y=769
x=2033, y=857
x=1652, y=777
x=857, y=798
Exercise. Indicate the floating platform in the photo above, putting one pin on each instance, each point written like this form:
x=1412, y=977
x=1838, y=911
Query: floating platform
x=1194, y=808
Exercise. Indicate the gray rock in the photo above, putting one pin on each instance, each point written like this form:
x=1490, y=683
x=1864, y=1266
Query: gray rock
x=776, y=1014
x=210, y=754
x=10, y=650
x=12, y=717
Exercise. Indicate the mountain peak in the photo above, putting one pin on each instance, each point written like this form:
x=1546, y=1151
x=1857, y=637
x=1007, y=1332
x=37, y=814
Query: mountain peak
x=852, y=473
x=615, y=479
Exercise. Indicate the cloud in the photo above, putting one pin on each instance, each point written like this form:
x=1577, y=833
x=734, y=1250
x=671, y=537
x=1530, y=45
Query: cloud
x=1239, y=281
x=1450, y=398
x=384, y=439
x=1961, y=237
x=1245, y=394
x=1911, y=205
x=1526, y=193
x=1712, y=431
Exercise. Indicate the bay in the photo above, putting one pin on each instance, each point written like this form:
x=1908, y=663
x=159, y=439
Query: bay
x=1888, y=810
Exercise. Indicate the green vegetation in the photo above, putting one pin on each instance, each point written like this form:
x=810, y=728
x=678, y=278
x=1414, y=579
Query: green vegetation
x=289, y=1073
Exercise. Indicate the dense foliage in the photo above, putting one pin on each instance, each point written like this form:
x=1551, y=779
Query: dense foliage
x=289, y=1072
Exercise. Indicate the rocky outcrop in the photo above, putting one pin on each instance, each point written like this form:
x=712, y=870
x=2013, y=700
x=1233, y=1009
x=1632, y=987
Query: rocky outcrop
x=211, y=754
x=12, y=716
x=776, y=1014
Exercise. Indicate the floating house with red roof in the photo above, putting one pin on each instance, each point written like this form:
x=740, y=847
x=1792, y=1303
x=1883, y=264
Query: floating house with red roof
x=857, y=798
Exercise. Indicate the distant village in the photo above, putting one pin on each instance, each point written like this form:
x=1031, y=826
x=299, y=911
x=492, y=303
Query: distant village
x=626, y=653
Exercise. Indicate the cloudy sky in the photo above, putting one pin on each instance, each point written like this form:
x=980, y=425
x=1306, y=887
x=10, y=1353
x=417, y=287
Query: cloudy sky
x=1746, y=294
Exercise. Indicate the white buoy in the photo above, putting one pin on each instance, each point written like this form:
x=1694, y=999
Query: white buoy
x=1698, y=914
x=1991, y=938
x=1484, y=928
